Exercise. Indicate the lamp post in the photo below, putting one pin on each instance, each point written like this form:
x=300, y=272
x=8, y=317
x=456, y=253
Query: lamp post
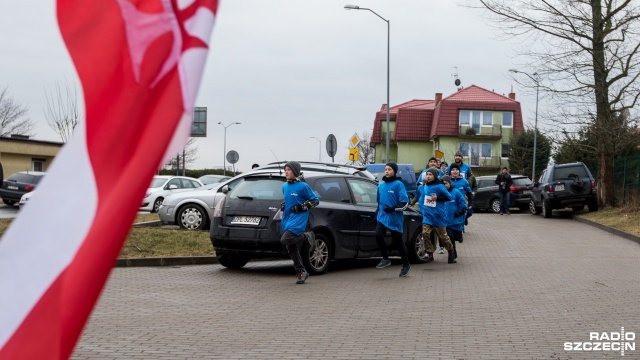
x=319, y=148
x=535, y=79
x=224, y=155
x=355, y=7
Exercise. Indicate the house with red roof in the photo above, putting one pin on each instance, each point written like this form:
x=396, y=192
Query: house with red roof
x=475, y=121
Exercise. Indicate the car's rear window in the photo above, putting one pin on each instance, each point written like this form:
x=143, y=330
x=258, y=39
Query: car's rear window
x=24, y=178
x=486, y=182
x=259, y=189
x=522, y=181
x=567, y=172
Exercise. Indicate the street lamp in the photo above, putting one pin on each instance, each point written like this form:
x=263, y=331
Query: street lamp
x=355, y=7
x=224, y=157
x=535, y=79
x=319, y=148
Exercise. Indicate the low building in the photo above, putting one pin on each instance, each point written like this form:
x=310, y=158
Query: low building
x=19, y=153
x=475, y=121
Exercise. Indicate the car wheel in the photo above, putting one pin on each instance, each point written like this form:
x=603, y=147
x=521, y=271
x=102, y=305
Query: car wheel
x=577, y=208
x=535, y=210
x=9, y=202
x=156, y=205
x=192, y=217
x=317, y=260
x=417, y=250
x=495, y=205
x=593, y=206
x=546, y=209
x=233, y=261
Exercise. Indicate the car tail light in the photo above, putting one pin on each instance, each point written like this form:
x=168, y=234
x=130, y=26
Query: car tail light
x=550, y=188
x=514, y=188
x=28, y=188
x=594, y=188
x=217, y=212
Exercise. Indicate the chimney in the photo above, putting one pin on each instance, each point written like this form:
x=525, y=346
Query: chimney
x=438, y=98
x=512, y=95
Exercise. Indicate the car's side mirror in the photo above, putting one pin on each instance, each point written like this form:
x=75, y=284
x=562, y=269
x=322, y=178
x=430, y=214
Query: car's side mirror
x=173, y=187
x=225, y=189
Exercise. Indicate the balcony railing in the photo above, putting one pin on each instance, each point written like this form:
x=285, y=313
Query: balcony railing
x=485, y=162
x=493, y=131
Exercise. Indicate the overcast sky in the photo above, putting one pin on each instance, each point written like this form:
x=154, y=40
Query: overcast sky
x=289, y=70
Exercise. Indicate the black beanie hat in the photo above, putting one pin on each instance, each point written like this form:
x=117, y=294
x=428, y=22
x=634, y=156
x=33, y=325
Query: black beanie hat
x=432, y=158
x=433, y=171
x=454, y=166
x=446, y=178
x=394, y=166
x=294, y=166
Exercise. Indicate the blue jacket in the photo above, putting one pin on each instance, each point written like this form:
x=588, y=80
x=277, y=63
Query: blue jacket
x=457, y=205
x=464, y=170
x=433, y=211
x=463, y=185
x=392, y=194
x=296, y=193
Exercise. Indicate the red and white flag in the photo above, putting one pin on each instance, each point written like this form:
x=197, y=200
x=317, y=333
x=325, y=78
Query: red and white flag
x=140, y=63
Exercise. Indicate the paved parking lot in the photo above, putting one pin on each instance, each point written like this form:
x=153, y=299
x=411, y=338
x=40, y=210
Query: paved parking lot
x=522, y=287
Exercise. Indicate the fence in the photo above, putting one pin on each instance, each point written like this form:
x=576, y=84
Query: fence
x=626, y=174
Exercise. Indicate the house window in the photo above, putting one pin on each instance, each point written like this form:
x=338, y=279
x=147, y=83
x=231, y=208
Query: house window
x=474, y=152
x=487, y=118
x=37, y=164
x=506, y=150
x=464, y=117
x=476, y=119
x=507, y=119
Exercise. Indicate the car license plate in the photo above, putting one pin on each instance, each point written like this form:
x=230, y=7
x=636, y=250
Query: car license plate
x=11, y=187
x=245, y=220
x=560, y=187
x=527, y=192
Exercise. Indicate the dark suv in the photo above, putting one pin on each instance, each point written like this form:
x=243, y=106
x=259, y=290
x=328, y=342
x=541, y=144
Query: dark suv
x=246, y=223
x=488, y=195
x=564, y=186
x=18, y=184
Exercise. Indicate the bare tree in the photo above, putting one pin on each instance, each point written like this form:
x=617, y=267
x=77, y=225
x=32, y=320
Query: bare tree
x=186, y=157
x=366, y=153
x=62, y=112
x=13, y=117
x=587, y=53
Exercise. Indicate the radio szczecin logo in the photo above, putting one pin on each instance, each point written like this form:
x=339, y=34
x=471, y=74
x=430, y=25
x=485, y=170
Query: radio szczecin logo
x=606, y=341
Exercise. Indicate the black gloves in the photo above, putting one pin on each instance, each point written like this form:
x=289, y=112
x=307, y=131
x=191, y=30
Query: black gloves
x=303, y=207
x=389, y=210
x=282, y=206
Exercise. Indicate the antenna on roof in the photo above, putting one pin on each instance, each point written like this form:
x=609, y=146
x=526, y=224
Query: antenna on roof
x=457, y=82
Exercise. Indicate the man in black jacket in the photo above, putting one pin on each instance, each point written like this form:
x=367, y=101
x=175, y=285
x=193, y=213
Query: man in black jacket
x=503, y=180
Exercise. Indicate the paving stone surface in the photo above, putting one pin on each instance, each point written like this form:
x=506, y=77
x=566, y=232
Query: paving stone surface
x=522, y=287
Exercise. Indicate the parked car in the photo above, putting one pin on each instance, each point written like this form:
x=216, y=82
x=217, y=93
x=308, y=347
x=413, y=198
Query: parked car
x=406, y=173
x=24, y=199
x=193, y=210
x=207, y=180
x=18, y=184
x=163, y=185
x=246, y=223
x=564, y=186
x=488, y=195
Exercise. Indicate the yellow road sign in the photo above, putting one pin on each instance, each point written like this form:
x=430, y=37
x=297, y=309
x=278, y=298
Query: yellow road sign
x=354, y=140
x=353, y=154
x=439, y=154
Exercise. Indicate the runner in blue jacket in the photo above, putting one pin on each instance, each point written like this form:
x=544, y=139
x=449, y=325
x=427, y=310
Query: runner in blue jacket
x=434, y=215
x=392, y=201
x=298, y=199
x=464, y=168
x=461, y=184
x=456, y=210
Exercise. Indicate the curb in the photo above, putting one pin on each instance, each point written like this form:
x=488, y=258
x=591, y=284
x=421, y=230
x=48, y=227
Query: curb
x=167, y=261
x=147, y=224
x=609, y=229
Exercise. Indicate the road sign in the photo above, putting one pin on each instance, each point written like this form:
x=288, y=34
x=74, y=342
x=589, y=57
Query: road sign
x=353, y=154
x=233, y=157
x=332, y=145
x=354, y=141
x=439, y=154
